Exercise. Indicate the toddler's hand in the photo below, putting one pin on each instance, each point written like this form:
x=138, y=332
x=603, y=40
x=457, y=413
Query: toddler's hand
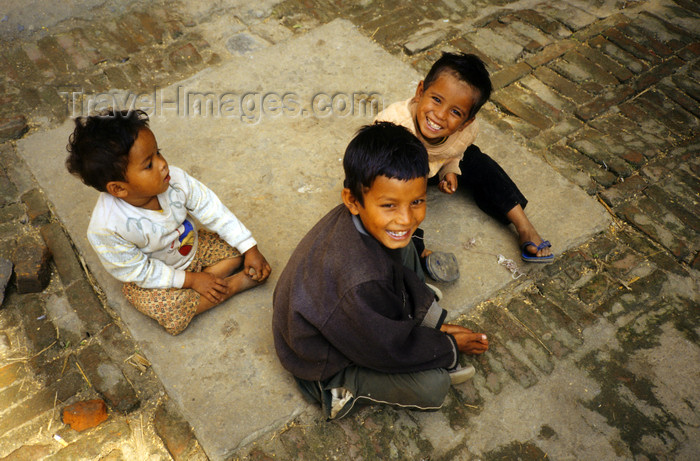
x=206, y=284
x=448, y=184
x=255, y=265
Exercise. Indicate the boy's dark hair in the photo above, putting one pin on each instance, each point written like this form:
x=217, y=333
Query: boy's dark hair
x=98, y=148
x=382, y=149
x=468, y=68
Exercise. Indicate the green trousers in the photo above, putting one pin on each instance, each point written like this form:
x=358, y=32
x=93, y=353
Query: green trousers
x=355, y=386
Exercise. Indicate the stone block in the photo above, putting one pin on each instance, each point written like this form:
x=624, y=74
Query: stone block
x=70, y=328
x=591, y=67
x=653, y=229
x=685, y=208
x=37, y=326
x=10, y=373
x=605, y=101
x=13, y=127
x=176, y=433
x=673, y=92
x=562, y=85
x=574, y=18
x=105, y=47
x=497, y=46
x=530, y=43
x=50, y=48
x=37, y=209
x=76, y=55
x=27, y=452
x=32, y=270
x=673, y=36
x=636, y=49
x=570, y=171
x=690, y=52
x=525, y=106
x=52, y=104
x=392, y=30
x=508, y=331
x=85, y=414
x=116, y=33
x=648, y=122
x=40, y=402
x=537, y=325
x=151, y=23
x=107, y=379
x=93, y=52
x=550, y=52
x=117, y=78
x=669, y=113
x=13, y=212
x=5, y=274
x=116, y=431
x=465, y=46
x=655, y=74
x=556, y=291
x=543, y=23
x=623, y=191
x=87, y=305
x=565, y=327
x=423, y=40
x=596, y=289
x=238, y=44
x=8, y=191
x=627, y=60
x=19, y=67
x=629, y=133
x=65, y=259
x=184, y=57
x=597, y=147
x=597, y=27
x=509, y=74
x=604, y=62
x=646, y=38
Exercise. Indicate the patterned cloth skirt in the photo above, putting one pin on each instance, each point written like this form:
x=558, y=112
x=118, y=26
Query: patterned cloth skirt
x=174, y=308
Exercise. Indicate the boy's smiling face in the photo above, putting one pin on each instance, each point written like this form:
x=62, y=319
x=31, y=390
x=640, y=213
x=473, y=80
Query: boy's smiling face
x=392, y=211
x=443, y=108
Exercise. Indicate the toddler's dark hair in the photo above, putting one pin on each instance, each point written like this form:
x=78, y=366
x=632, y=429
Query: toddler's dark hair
x=382, y=149
x=98, y=148
x=468, y=68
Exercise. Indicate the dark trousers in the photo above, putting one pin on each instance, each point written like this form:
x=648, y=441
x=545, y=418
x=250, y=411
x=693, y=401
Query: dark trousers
x=493, y=190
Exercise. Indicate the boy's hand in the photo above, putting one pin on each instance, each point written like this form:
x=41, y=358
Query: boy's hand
x=206, y=284
x=468, y=342
x=448, y=184
x=255, y=265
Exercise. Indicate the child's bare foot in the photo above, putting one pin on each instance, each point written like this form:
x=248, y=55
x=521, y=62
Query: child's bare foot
x=531, y=235
x=239, y=282
x=225, y=267
x=528, y=233
x=235, y=283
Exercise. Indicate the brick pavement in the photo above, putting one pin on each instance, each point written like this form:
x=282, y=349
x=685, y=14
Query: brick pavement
x=608, y=95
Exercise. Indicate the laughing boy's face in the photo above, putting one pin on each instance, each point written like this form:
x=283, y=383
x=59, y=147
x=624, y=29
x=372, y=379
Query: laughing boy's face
x=392, y=210
x=443, y=108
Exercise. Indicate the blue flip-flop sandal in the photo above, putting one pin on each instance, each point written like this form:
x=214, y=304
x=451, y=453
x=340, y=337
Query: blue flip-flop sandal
x=530, y=258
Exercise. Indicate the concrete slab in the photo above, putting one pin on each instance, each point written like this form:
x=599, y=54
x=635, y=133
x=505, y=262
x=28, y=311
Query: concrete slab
x=275, y=159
